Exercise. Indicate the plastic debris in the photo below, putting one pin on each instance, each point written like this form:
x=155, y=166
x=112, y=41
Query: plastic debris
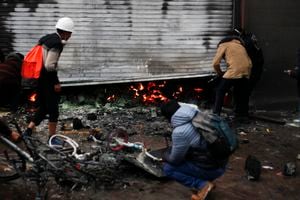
x=289, y=169
x=267, y=167
x=242, y=133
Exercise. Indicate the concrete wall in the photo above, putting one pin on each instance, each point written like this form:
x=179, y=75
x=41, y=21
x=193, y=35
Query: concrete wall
x=277, y=25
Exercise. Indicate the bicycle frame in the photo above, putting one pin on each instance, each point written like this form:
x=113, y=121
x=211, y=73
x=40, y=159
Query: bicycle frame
x=46, y=162
x=74, y=147
x=17, y=149
x=40, y=163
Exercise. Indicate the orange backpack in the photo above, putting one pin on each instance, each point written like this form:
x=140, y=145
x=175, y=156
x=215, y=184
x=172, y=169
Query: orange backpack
x=32, y=63
x=31, y=68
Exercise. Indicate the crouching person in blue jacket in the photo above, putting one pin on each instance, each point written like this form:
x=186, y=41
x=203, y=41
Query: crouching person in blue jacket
x=188, y=161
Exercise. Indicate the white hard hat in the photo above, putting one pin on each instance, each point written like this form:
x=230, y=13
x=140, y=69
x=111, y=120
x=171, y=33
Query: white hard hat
x=65, y=24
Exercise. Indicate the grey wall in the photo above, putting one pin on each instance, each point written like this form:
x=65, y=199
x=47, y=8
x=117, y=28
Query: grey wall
x=277, y=25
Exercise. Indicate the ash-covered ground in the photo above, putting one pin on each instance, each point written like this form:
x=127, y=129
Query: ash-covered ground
x=272, y=142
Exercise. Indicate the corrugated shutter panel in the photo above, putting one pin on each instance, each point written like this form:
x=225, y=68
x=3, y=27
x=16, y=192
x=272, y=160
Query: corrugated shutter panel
x=124, y=40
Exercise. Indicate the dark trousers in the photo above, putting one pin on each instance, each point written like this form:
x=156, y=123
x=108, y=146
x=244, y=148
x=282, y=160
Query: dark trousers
x=48, y=103
x=10, y=94
x=190, y=175
x=240, y=95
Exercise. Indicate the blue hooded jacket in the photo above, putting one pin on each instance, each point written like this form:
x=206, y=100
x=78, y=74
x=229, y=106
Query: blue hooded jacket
x=187, y=143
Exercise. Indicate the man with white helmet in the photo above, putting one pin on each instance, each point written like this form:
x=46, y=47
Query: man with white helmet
x=48, y=84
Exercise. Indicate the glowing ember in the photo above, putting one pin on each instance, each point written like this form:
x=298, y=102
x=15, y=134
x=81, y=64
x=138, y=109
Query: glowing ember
x=111, y=98
x=198, y=90
x=178, y=92
x=157, y=92
x=150, y=92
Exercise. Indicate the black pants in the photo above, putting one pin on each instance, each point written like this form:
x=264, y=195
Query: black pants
x=240, y=95
x=10, y=93
x=48, y=102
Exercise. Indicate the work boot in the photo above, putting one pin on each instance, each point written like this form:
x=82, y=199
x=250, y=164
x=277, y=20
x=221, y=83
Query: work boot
x=203, y=192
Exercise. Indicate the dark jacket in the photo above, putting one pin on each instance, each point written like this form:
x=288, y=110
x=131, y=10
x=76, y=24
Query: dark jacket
x=10, y=81
x=52, y=48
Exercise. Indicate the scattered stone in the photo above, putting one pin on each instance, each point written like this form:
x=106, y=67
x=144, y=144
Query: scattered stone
x=92, y=116
x=77, y=124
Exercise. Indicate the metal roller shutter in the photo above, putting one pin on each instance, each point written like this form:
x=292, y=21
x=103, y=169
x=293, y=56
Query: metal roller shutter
x=122, y=40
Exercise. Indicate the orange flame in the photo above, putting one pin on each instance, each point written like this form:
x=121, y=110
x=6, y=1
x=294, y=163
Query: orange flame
x=141, y=87
x=32, y=97
x=150, y=93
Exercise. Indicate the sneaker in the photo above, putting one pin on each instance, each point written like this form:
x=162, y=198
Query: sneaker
x=202, y=194
x=56, y=142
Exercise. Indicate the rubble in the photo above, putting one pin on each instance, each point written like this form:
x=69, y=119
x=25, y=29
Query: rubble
x=272, y=143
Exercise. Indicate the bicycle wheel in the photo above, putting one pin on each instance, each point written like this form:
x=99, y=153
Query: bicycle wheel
x=10, y=164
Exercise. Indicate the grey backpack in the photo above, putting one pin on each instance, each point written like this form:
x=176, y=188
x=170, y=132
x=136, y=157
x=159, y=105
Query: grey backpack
x=220, y=138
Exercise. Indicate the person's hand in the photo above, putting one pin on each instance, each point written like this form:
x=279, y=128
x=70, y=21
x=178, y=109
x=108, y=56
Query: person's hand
x=221, y=73
x=15, y=136
x=57, y=88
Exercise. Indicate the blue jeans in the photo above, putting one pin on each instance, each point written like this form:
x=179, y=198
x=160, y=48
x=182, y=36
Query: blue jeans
x=191, y=175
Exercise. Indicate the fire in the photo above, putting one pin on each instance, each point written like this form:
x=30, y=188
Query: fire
x=32, y=97
x=178, y=92
x=149, y=92
x=158, y=92
x=136, y=90
x=31, y=106
x=141, y=87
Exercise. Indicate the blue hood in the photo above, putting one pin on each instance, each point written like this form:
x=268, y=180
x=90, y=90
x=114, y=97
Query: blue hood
x=183, y=115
